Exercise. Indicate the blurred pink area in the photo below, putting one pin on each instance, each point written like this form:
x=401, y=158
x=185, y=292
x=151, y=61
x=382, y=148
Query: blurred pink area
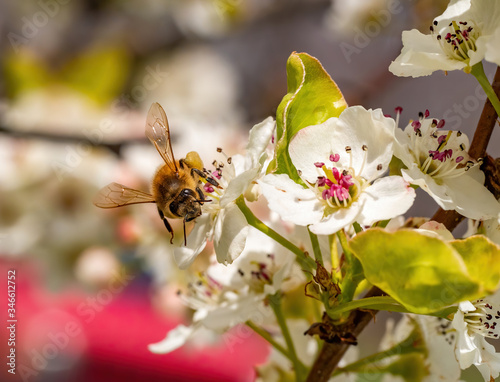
x=74, y=336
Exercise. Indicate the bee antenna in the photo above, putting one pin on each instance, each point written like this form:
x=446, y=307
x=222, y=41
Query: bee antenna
x=203, y=201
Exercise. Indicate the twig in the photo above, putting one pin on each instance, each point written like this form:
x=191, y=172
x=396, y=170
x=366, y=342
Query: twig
x=332, y=353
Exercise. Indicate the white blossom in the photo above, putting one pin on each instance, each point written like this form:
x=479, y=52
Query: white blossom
x=222, y=221
x=225, y=296
x=474, y=322
x=341, y=162
x=466, y=33
x=438, y=162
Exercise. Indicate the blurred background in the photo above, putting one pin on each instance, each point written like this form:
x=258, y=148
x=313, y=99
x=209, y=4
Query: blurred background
x=95, y=287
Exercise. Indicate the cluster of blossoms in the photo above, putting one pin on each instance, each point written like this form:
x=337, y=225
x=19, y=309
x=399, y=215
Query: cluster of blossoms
x=340, y=165
x=332, y=190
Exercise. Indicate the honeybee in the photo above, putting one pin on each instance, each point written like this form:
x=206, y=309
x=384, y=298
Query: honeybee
x=176, y=185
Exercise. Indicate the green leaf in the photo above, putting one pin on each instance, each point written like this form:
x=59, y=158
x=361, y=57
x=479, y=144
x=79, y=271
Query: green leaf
x=24, y=72
x=482, y=259
x=312, y=98
x=423, y=273
x=100, y=72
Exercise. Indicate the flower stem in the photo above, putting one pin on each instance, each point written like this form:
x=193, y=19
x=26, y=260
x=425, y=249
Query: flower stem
x=315, y=245
x=264, y=334
x=352, y=269
x=412, y=344
x=376, y=303
x=300, y=369
x=305, y=261
x=478, y=72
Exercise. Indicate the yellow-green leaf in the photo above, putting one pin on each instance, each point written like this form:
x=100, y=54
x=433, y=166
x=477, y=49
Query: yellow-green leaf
x=423, y=273
x=312, y=98
x=482, y=258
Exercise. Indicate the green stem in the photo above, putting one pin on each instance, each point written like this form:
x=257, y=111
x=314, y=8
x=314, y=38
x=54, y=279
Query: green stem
x=264, y=334
x=411, y=344
x=300, y=369
x=305, y=262
x=375, y=303
x=315, y=246
x=353, y=271
x=335, y=257
x=384, y=303
x=478, y=72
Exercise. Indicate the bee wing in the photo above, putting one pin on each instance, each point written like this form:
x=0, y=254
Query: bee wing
x=158, y=133
x=117, y=195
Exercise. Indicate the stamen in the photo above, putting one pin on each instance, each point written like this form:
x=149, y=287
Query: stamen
x=334, y=157
x=398, y=111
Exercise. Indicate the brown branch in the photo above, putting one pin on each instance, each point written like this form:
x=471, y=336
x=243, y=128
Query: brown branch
x=332, y=353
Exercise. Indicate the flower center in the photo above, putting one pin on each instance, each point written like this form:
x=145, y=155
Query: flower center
x=441, y=155
x=457, y=39
x=205, y=291
x=217, y=180
x=339, y=187
x=444, y=328
x=485, y=320
x=261, y=274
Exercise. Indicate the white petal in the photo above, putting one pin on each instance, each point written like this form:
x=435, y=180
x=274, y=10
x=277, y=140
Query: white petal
x=471, y=199
x=402, y=145
x=421, y=56
x=236, y=312
x=386, y=198
x=196, y=241
x=339, y=219
x=456, y=9
x=486, y=13
x=174, y=340
x=291, y=201
x=435, y=229
x=259, y=138
x=439, y=193
x=230, y=234
x=465, y=350
x=238, y=186
x=493, y=48
x=372, y=129
x=354, y=128
x=443, y=365
x=466, y=306
x=489, y=365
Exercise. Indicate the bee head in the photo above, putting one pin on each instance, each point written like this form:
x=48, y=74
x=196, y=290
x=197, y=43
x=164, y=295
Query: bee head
x=186, y=205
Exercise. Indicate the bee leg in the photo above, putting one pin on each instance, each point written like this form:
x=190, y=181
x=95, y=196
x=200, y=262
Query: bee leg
x=200, y=194
x=168, y=226
x=209, y=179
